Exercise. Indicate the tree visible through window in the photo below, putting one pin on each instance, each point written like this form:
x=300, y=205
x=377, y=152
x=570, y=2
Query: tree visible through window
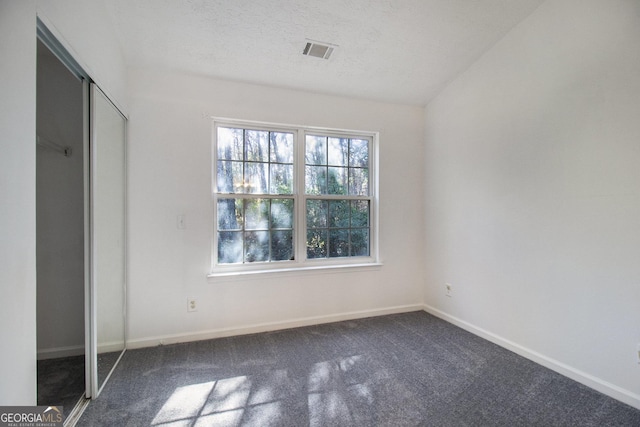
x=265, y=177
x=337, y=227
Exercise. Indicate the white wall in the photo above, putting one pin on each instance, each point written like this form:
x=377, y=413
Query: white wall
x=84, y=29
x=60, y=211
x=170, y=174
x=533, y=193
x=17, y=210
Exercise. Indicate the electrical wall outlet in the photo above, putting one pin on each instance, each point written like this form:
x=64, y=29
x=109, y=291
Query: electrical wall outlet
x=449, y=289
x=192, y=304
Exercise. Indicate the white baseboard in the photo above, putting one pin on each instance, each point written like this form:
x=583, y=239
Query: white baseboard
x=595, y=383
x=56, y=352
x=266, y=327
x=111, y=347
x=76, y=350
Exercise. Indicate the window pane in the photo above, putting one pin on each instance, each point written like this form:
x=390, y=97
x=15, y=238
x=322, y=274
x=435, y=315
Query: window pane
x=339, y=213
x=229, y=247
x=317, y=243
x=338, y=243
x=317, y=212
x=229, y=177
x=229, y=214
x=256, y=178
x=230, y=144
x=360, y=242
x=256, y=146
x=281, y=245
x=281, y=179
x=337, y=183
x=315, y=180
x=257, y=214
x=338, y=151
x=316, y=150
x=359, y=213
x=256, y=246
x=359, y=153
x=359, y=181
x=282, y=213
x=281, y=147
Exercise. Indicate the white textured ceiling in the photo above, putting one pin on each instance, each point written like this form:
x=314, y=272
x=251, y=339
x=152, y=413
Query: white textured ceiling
x=400, y=51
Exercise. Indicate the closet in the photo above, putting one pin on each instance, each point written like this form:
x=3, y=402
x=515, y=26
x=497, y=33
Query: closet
x=80, y=230
x=59, y=233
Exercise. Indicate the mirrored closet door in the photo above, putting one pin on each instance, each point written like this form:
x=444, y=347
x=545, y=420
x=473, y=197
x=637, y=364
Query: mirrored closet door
x=108, y=235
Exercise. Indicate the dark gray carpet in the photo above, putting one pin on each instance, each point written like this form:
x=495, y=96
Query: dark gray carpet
x=61, y=382
x=400, y=370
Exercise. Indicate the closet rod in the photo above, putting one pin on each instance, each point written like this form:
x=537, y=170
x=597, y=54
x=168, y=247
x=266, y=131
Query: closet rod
x=66, y=151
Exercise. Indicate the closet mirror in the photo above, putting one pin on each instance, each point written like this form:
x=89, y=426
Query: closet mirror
x=108, y=234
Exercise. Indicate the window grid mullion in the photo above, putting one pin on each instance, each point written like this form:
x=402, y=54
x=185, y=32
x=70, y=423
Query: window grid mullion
x=300, y=205
x=335, y=197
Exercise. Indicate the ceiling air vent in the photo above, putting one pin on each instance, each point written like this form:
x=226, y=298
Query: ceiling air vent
x=319, y=49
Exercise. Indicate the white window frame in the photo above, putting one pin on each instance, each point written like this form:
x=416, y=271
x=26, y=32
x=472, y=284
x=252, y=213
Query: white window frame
x=300, y=261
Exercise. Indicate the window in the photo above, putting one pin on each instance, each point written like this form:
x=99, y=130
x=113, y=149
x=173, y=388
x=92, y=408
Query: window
x=288, y=197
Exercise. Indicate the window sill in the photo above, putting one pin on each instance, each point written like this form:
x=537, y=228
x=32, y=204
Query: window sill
x=321, y=269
